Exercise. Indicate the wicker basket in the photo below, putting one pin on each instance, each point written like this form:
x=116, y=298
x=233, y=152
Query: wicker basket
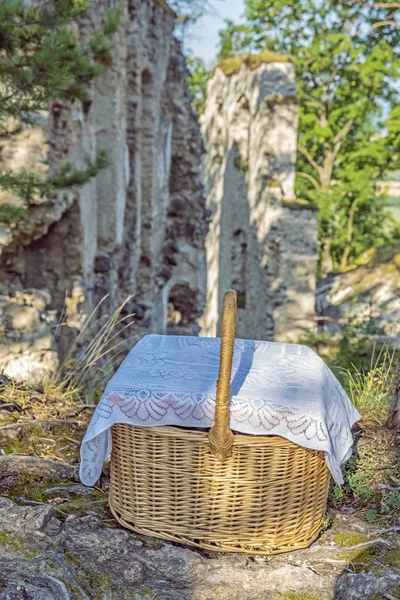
x=218, y=490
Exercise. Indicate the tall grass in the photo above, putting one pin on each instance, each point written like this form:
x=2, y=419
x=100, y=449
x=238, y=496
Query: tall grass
x=371, y=390
x=93, y=355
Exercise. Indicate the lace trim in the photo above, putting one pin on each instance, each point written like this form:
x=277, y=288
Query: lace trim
x=150, y=407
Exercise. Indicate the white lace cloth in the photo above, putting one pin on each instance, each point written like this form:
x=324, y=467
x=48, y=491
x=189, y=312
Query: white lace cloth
x=277, y=389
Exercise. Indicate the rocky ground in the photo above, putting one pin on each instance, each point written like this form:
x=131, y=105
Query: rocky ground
x=58, y=539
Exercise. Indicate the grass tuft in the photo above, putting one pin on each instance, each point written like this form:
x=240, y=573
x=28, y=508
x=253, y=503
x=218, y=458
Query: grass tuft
x=371, y=391
x=88, y=365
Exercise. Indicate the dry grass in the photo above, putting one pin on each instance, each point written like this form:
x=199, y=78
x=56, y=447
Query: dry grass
x=22, y=402
x=49, y=420
x=89, y=364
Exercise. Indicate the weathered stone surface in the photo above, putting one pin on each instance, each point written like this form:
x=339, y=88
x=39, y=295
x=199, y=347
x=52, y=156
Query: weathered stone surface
x=262, y=241
x=58, y=538
x=364, y=586
x=27, y=335
x=43, y=557
x=116, y=236
x=367, y=294
x=27, y=150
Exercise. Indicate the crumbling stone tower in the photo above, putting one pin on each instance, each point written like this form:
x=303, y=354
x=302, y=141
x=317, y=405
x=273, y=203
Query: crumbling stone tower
x=262, y=240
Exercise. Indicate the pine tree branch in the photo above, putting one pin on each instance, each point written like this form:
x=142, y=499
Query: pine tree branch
x=42, y=59
x=26, y=184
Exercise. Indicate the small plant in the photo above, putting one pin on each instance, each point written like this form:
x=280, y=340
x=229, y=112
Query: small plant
x=10, y=214
x=197, y=82
x=371, y=391
x=369, y=479
x=365, y=370
x=241, y=163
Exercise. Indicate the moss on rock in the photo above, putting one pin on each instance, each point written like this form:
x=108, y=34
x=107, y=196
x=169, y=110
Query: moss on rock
x=392, y=558
x=28, y=487
x=297, y=596
x=16, y=544
x=350, y=539
x=232, y=65
x=93, y=582
x=358, y=559
x=241, y=163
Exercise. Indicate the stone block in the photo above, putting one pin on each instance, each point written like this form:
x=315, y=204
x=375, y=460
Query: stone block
x=39, y=299
x=22, y=318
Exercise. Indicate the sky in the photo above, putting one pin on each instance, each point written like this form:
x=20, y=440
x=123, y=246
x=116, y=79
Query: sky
x=203, y=37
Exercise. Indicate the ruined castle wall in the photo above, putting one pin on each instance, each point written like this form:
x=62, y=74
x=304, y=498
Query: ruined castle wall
x=262, y=240
x=139, y=226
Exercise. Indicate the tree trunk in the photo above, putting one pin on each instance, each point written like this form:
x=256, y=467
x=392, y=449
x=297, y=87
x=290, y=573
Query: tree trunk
x=349, y=236
x=394, y=415
x=326, y=257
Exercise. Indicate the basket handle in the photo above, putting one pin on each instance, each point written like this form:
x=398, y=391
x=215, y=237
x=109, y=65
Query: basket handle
x=220, y=435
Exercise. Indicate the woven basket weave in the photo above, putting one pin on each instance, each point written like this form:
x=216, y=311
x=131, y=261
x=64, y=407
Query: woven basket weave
x=218, y=490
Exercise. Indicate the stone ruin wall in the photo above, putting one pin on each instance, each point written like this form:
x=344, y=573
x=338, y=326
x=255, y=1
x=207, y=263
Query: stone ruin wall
x=138, y=228
x=262, y=240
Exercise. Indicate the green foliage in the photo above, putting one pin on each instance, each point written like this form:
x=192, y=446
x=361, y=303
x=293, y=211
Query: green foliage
x=236, y=39
x=10, y=214
x=369, y=477
x=41, y=60
x=365, y=369
x=347, y=60
x=197, y=82
x=371, y=390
